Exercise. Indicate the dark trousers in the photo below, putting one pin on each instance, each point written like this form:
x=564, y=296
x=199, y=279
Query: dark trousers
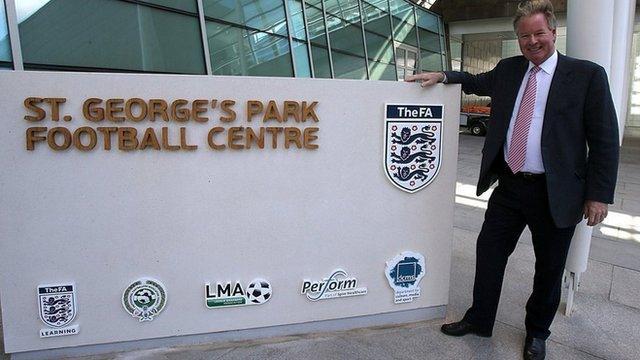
x=518, y=202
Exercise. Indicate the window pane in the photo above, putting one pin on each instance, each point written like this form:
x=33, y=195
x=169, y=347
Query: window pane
x=348, y=67
x=318, y=37
x=297, y=19
x=427, y=21
x=429, y=41
x=383, y=5
x=456, y=48
x=266, y=15
x=379, y=48
x=400, y=74
x=5, y=44
x=380, y=71
x=345, y=36
x=110, y=35
x=315, y=23
x=377, y=24
x=411, y=59
x=186, y=5
x=377, y=21
x=344, y=9
x=405, y=33
x=456, y=65
x=430, y=61
x=402, y=11
x=236, y=51
x=321, y=67
x=400, y=57
x=301, y=56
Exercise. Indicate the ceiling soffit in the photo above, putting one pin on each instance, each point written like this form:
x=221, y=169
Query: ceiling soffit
x=462, y=10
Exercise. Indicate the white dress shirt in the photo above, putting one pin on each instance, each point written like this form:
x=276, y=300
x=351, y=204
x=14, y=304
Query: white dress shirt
x=533, y=158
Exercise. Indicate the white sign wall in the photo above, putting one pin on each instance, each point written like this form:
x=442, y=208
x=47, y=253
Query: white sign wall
x=104, y=219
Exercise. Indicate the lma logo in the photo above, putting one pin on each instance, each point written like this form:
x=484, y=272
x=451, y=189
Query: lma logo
x=228, y=294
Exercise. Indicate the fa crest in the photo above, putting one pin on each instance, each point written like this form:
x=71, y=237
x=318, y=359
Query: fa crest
x=57, y=308
x=413, y=145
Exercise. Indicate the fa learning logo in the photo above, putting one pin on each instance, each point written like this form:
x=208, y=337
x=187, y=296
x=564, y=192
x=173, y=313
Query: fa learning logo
x=57, y=305
x=404, y=272
x=413, y=145
x=144, y=299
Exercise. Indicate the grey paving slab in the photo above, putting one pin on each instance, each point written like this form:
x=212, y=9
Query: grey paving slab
x=631, y=205
x=425, y=341
x=625, y=288
x=630, y=188
x=421, y=340
x=330, y=347
x=468, y=217
x=596, y=280
x=622, y=253
x=599, y=327
x=630, y=177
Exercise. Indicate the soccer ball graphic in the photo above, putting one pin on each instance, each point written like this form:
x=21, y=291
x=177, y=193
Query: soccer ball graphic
x=259, y=291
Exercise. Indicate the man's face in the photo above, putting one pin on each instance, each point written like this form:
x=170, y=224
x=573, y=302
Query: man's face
x=536, y=40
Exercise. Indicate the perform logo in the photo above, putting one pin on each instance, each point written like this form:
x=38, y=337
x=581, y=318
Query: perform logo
x=337, y=285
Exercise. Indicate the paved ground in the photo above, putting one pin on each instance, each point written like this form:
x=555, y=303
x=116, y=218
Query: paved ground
x=605, y=325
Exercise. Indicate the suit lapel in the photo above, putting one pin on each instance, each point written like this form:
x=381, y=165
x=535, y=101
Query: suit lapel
x=512, y=88
x=557, y=90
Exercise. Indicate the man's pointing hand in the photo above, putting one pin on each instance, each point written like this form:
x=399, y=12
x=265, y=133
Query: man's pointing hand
x=426, y=79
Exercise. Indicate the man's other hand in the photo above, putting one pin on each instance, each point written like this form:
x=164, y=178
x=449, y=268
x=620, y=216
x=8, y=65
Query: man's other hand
x=595, y=212
x=426, y=79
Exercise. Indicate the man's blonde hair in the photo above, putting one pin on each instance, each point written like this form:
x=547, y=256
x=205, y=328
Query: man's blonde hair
x=532, y=7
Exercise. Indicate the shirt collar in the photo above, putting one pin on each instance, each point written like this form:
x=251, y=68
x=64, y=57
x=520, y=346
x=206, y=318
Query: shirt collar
x=548, y=65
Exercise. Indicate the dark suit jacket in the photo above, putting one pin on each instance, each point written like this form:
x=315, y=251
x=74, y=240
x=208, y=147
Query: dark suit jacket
x=579, y=144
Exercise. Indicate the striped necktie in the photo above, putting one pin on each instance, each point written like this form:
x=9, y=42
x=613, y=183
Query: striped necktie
x=518, y=147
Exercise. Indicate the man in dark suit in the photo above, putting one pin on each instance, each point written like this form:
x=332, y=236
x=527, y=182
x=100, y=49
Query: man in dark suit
x=552, y=145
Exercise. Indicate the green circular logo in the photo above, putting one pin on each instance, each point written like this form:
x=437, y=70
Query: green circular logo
x=144, y=299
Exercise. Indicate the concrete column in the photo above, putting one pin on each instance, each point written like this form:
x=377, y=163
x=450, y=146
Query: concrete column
x=590, y=30
x=600, y=31
x=620, y=77
x=589, y=35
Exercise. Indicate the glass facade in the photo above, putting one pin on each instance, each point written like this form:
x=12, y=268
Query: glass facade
x=456, y=53
x=432, y=43
x=248, y=37
x=151, y=36
x=346, y=39
x=5, y=45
